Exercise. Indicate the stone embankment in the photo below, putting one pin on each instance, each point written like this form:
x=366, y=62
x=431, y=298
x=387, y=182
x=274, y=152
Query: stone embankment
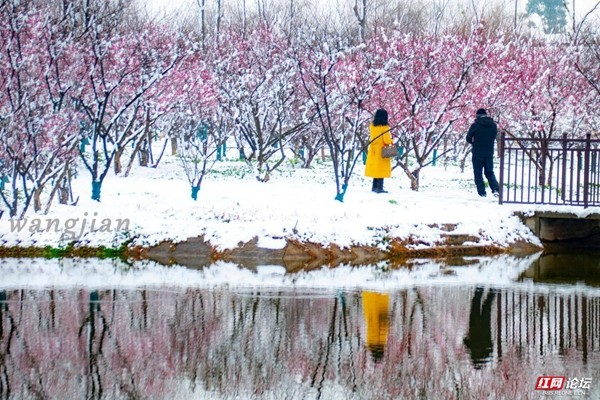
x=296, y=255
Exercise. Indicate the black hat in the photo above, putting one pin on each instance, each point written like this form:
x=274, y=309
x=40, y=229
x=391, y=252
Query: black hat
x=481, y=111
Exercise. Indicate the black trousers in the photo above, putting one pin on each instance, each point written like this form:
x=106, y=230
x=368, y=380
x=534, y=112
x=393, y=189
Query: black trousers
x=484, y=165
x=377, y=185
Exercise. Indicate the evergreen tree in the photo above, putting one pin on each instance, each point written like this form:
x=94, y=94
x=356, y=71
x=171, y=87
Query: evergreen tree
x=553, y=14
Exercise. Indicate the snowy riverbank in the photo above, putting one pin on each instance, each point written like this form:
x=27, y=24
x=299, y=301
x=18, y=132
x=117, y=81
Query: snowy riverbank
x=154, y=205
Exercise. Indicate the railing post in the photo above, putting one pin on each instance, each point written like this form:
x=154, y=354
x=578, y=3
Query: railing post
x=543, y=172
x=586, y=170
x=564, y=167
x=501, y=153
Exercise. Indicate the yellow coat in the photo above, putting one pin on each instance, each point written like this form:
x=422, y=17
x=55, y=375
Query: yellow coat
x=377, y=166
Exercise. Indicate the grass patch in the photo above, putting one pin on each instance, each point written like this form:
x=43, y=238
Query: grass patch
x=122, y=252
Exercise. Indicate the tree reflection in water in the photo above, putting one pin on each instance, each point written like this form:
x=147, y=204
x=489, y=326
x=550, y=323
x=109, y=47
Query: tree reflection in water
x=203, y=343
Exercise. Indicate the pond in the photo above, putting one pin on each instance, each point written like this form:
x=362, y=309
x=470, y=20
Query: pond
x=479, y=328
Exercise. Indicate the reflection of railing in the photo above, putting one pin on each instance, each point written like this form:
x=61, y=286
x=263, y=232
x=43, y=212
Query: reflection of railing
x=550, y=323
x=550, y=171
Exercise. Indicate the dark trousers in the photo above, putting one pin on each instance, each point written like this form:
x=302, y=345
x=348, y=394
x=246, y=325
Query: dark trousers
x=484, y=165
x=377, y=185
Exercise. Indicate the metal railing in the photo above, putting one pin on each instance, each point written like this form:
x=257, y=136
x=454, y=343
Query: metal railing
x=550, y=171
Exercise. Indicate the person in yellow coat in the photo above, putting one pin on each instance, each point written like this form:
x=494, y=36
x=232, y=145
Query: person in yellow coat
x=376, y=166
x=377, y=319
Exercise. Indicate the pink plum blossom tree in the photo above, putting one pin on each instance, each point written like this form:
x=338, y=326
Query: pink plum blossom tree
x=37, y=138
x=338, y=79
x=196, y=120
x=116, y=73
x=542, y=98
x=425, y=86
x=258, y=84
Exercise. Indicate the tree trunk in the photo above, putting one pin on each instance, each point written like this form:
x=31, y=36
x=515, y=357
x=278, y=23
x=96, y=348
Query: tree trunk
x=542, y=177
x=144, y=157
x=37, y=199
x=414, y=183
x=413, y=176
x=118, y=166
x=96, y=188
x=61, y=187
x=195, y=190
x=361, y=17
x=15, y=199
x=162, y=152
x=308, y=158
x=173, y=146
x=218, y=22
x=63, y=192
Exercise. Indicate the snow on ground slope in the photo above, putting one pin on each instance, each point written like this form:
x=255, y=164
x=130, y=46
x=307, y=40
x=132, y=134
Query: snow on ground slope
x=153, y=205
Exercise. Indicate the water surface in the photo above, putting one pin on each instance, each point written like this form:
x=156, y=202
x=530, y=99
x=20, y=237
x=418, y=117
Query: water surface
x=485, y=329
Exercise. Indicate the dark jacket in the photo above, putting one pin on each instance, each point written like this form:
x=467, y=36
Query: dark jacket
x=482, y=135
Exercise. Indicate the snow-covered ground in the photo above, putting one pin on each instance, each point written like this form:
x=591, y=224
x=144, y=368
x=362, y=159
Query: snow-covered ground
x=153, y=205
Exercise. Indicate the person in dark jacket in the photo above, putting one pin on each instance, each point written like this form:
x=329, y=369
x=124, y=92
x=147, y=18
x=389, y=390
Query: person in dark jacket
x=482, y=135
